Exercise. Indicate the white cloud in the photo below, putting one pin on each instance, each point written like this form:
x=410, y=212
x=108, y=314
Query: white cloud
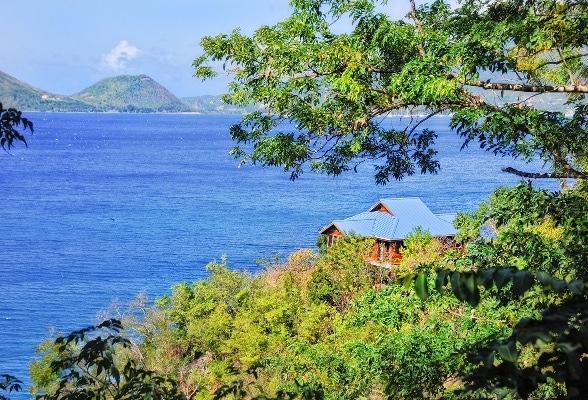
x=117, y=58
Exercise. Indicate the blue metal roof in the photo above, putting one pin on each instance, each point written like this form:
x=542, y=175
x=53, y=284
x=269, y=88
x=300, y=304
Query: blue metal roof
x=406, y=214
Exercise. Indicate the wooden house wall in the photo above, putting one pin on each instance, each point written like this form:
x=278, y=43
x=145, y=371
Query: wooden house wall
x=391, y=251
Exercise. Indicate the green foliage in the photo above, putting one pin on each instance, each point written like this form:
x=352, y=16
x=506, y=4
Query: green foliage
x=539, y=352
x=329, y=326
x=89, y=366
x=203, y=311
x=420, y=344
x=334, y=85
x=419, y=249
x=559, y=338
x=10, y=120
x=43, y=376
x=343, y=271
x=545, y=354
x=472, y=226
x=295, y=390
x=529, y=229
x=321, y=243
x=271, y=336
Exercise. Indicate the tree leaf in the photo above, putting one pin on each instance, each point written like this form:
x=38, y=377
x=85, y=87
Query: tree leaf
x=558, y=285
x=502, y=277
x=421, y=287
x=456, y=285
x=508, y=351
x=472, y=293
x=407, y=280
x=576, y=286
x=441, y=279
x=485, y=277
x=544, y=278
x=522, y=281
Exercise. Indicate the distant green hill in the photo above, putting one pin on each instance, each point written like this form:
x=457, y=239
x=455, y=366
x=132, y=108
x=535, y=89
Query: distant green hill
x=126, y=93
x=17, y=94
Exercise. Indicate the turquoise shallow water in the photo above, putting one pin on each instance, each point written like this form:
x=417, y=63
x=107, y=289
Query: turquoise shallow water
x=101, y=207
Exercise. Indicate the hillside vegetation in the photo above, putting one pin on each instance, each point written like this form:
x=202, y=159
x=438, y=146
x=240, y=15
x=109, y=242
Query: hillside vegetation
x=332, y=324
x=125, y=93
x=17, y=94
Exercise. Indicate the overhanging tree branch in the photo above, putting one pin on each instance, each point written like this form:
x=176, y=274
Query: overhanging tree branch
x=348, y=80
x=546, y=175
x=519, y=87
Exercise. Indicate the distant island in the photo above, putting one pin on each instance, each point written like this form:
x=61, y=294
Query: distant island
x=124, y=93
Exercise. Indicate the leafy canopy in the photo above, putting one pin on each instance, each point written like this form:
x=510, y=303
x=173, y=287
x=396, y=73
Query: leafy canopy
x=96, y=363
x=537, y=256
x=335, y=68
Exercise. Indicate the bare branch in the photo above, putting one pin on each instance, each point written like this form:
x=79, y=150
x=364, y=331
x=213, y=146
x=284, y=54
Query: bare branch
x=418, y=25
x=546, y=175
x=519, y=87
x=561, y=60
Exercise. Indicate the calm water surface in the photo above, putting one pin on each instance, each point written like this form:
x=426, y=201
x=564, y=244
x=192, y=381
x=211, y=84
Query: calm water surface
x=101, y=207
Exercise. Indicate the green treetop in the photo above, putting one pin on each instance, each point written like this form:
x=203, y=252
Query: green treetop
x=335, y=68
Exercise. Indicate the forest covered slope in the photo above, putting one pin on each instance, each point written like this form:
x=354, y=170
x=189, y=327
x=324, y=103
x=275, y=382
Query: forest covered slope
x=124, y=93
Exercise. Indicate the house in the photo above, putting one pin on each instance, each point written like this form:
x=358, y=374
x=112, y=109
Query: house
x=389, y=221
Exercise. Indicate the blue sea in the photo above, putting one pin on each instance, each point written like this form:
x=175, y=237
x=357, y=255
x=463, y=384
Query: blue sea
x=101, y=207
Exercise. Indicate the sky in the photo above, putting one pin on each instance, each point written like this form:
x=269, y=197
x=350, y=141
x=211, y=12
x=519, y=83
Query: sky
x=65, y=46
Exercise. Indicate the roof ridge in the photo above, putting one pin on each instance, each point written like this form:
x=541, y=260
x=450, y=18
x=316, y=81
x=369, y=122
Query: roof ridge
x=400, y=198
